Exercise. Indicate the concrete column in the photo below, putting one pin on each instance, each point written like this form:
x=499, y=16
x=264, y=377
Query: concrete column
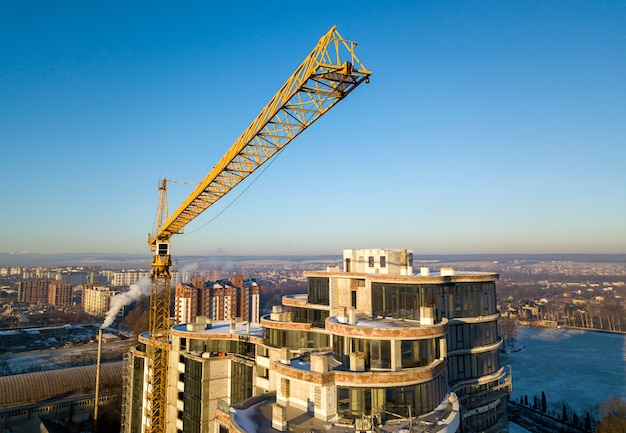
x=396, y=355
x=279, y=417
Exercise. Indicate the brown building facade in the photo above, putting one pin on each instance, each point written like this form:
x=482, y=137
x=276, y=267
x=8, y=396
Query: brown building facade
x=44, y=291
x=230, y=299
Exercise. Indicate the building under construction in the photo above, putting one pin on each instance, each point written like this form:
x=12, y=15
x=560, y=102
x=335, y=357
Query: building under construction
x=373, y=346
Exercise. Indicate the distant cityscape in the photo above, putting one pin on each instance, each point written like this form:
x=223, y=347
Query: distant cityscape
x=50, y=316
x=584, y=291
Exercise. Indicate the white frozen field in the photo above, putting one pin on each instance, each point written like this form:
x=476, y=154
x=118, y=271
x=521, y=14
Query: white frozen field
x=578, y=368
x=49, y=359
x=514, y=428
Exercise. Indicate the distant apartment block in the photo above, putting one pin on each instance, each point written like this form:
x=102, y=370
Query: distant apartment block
x=44, y=291
x=187, y=298
x=6, y=271
x=235, y=298
x=74, y=278
x=59, y=293
x=97, y=299
x=32, y=291
x=127, y=278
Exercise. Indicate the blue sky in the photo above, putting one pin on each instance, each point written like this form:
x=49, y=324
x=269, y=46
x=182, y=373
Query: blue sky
x=487, y=127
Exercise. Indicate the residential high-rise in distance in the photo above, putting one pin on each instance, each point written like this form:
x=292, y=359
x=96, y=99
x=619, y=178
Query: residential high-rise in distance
x=370, y=347
x=225, y=299
x=59, y=293
x=44, y=291
x=97, y=299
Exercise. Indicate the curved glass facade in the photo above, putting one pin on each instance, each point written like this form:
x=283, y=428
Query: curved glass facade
x=468, y=335
x=377, y=353
x=242, y=348
x=403, y=301
x=316, y=318
x=294, y=339
x=354, y=402
x=470, y=299
x=319, y=291
x=471, y=366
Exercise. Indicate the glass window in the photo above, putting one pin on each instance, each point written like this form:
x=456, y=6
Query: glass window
x=319, y=291
x=380, y=356
x=316, y=318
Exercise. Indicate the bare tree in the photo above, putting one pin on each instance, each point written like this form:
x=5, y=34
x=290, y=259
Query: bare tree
x=508, y=330
x=613, y=416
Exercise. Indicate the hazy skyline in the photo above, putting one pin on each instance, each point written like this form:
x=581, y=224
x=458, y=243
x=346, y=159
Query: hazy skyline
x=486, y=126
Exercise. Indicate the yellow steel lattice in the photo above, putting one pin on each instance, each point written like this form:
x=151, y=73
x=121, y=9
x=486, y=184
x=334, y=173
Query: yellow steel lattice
x=326, y=76
x=158, y=342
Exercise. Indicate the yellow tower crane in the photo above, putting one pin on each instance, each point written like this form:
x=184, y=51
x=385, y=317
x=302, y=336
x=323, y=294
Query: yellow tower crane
x=328, y=74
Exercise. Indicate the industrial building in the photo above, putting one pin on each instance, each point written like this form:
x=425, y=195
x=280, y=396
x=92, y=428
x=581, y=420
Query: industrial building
x=64, y=396
x=374, y=346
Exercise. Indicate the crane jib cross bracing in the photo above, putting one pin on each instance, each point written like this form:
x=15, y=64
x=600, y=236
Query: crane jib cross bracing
x=327, y=75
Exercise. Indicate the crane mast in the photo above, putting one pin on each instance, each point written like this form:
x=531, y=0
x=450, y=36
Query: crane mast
x=328, y=74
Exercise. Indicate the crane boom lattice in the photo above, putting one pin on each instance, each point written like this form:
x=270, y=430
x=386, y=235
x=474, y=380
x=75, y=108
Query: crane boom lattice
x=327, y=75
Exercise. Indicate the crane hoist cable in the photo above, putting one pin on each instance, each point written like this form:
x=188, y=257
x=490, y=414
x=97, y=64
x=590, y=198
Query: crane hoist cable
x=237, y=197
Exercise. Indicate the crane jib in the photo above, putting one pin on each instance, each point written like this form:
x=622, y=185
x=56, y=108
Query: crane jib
x=326, y=76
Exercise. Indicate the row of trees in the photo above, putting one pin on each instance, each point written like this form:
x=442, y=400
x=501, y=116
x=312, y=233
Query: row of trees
x=611, y=414
x=566, y=416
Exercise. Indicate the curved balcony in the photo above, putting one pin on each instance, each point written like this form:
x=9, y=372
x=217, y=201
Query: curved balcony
x=391, y=329
x=296, y=370
x=476, y=349
x=299, y=300
x=476, y=319
x=285, y=324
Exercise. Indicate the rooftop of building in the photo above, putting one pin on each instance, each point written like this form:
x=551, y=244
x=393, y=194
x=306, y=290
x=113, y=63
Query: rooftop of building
x=255, y=416
x=225, y=282
x=364, y=321
x=430, y=276
x=203, y=327
x=26, y=388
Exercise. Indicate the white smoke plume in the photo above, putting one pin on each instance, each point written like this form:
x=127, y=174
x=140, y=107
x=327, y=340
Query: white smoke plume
x=134, y=293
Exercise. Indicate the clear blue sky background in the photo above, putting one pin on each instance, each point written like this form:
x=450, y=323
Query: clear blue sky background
x=487, y=126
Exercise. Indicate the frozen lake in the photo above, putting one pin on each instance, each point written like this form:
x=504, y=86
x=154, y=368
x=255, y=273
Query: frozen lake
x=578, y=368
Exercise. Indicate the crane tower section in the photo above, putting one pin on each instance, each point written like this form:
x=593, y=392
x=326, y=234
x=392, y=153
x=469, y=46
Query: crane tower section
x=327, y=75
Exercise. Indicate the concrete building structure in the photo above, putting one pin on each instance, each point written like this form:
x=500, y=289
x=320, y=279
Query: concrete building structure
x=97, y=299
x=74, y=277
x=370, y=347
x=127, y=278
x=44, y=291
x=59, y=293
x=234, y=298
x=32, y=291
